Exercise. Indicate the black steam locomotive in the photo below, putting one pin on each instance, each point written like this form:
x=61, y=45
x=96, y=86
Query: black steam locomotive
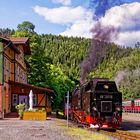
x=97, y=103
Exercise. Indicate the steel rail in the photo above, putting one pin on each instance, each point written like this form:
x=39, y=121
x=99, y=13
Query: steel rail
x=129, y=133
x=122, y=134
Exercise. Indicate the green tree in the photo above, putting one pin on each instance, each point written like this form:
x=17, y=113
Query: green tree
x=26, y=26
x=55, y=62
x=38, y=61
x=58, y=81
x=6, y=32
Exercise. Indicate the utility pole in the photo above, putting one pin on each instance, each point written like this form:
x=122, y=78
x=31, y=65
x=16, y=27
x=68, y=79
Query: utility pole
x=68, y=109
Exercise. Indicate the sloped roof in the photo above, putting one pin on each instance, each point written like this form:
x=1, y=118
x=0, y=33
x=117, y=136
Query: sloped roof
x=9, y=44
x=3, y=38
x=34, y=88
x=19, y=40
x=24, y=41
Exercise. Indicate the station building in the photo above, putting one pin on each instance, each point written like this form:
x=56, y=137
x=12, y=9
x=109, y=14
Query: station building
x=14, y=87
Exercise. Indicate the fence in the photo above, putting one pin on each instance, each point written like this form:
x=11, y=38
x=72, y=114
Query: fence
x=131, y=115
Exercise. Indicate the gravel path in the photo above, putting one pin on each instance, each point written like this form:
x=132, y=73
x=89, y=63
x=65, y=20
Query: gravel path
x=13, y=129
x=51, y=129
x=131, y=122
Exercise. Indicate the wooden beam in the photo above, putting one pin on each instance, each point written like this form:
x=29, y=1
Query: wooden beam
x=41, y=99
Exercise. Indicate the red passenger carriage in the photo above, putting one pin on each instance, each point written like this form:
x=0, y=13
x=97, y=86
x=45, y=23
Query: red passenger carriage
x=131, y=105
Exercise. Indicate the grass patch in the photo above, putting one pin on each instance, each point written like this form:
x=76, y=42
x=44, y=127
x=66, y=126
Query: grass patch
x=79, y=133
x=83, y=134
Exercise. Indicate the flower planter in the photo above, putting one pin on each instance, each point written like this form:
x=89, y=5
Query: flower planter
x=38, y=116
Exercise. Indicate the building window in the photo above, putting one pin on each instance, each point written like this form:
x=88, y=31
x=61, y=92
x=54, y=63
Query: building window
x=14, y=99
x=34, y=100
x=25, y=78
x=5, y=65
x=17, y=73
x=9, y=71
x=21, y=75
x=4, y=69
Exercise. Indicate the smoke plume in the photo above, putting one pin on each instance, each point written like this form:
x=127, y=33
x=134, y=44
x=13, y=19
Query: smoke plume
x=97, y=51
x=95, y=55
x=121, y=76
x=111, y=25
x=130, y=79
x=101, y=6
x=126, y=76
x=104, y=33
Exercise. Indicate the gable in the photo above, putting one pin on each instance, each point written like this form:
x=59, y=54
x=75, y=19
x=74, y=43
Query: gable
x=24, y=41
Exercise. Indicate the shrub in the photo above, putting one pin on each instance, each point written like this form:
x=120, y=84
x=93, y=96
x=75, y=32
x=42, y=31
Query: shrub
x=20, y=108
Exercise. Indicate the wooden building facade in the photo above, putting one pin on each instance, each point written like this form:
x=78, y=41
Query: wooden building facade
x=14, y=87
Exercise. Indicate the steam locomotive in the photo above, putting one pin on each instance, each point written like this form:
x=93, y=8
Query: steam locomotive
x=97, y=103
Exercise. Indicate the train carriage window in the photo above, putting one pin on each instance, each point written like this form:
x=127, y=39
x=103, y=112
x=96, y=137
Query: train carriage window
x=128, y=103
x=135, y=103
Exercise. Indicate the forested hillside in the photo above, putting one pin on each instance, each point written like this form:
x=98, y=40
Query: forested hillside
x=121, y=64
x=55, y=62
x=67, y=53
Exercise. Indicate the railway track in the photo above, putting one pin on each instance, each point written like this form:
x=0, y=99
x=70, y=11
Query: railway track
x=120, y=134
x=124, y=135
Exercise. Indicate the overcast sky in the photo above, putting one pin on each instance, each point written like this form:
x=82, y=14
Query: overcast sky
x=74, y=17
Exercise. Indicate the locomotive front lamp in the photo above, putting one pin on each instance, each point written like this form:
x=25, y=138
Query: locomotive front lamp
x=118, y=108
x=106, y=86
x=94, y=108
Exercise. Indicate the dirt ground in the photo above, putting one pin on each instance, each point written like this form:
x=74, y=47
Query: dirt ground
x=51, y=129
x=56, y=129
x=14, y=129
